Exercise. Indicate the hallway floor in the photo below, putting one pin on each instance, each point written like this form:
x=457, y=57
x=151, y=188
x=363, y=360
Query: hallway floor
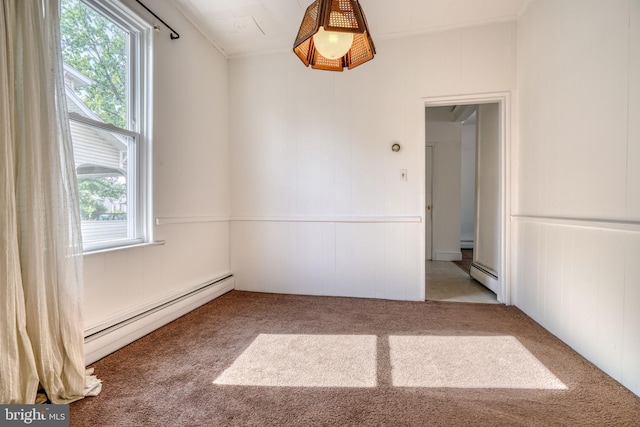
x=447, y=282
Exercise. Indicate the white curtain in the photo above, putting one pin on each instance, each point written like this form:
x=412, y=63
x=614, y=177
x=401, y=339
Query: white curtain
x=41, y=326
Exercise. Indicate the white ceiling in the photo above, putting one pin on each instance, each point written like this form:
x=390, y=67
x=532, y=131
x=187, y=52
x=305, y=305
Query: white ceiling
x=242, y=27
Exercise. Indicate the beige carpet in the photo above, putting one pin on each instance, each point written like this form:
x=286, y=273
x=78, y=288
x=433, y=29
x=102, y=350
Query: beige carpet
x=249, y=359
x=305, y=361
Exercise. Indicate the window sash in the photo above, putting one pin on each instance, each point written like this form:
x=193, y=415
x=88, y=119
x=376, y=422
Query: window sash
x=136, y=225
x=101, y=125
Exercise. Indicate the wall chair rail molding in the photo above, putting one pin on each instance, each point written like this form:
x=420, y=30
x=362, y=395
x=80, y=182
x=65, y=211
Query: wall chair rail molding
x=596, y=224
x=190, y=219
x=330, y=219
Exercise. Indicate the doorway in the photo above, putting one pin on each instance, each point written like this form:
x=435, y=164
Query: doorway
x=444, y=239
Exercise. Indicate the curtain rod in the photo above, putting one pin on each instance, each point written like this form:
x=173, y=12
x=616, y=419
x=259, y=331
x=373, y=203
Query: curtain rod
x=174, y=34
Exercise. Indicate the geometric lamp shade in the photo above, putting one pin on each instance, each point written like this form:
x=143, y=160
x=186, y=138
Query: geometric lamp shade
x=333, y=35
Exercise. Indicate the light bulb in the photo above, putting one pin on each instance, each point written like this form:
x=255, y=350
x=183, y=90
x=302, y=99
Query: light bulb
x=332, y=44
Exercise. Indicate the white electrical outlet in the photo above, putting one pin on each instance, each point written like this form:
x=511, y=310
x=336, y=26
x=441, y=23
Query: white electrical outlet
x=403, y=175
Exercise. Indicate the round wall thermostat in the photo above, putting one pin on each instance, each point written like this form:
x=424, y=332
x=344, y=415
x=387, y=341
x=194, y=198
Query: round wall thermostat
x=395, y=147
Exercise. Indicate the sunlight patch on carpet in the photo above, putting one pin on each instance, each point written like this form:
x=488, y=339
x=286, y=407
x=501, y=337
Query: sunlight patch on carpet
x=305, y=361
x=467, y=362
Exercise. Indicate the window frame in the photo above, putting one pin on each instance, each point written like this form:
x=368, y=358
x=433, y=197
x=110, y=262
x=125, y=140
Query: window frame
x=139, y=101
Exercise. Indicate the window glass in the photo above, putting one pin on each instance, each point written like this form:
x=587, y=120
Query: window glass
x=95, y=52
x=102, y=167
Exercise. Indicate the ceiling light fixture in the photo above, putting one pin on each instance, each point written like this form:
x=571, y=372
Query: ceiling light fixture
x=333, y=35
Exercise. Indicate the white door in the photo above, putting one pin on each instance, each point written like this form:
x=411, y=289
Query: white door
x=486, y=254
x=428, y=208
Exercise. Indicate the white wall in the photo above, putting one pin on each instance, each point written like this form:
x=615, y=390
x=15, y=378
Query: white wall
x=468, y=190
x=446, y=137
x=318, y=203
x=577, y=198
x=190, y=178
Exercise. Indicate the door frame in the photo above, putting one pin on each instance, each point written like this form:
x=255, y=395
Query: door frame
x=428, y=222
x=503, y=99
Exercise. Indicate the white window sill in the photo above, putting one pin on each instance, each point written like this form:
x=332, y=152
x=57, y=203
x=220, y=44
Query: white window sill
x=120, y=248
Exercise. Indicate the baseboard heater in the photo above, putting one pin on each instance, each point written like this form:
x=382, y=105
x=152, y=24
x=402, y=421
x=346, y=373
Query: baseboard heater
x=485, y=276
x=100, y=343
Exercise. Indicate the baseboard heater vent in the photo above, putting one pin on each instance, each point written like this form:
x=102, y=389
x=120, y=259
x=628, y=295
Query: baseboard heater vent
x=485, y=276
x=100, y=343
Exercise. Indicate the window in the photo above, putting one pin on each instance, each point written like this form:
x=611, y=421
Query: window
x=105, y=50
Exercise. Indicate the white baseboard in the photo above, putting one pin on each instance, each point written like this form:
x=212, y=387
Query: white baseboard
x=448, y=256
x=485, y=276
x=103, y=343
